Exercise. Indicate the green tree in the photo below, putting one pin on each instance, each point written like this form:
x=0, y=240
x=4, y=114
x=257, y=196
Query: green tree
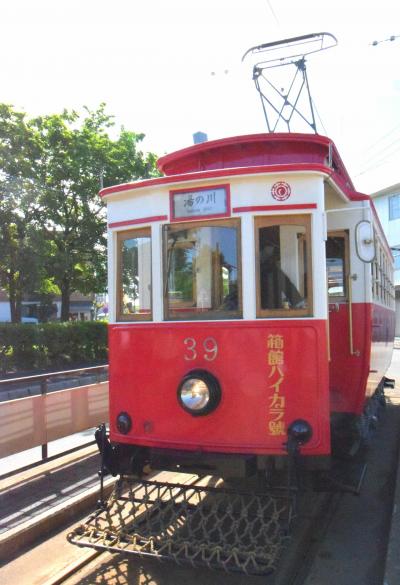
x=19, y=154
x=69, y=158
x=78, y=158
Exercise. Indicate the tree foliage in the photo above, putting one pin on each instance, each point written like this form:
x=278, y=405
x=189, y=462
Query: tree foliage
x=19, y=154
x=51, y=170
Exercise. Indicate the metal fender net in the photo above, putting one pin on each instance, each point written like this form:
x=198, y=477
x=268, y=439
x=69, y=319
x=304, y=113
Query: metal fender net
x=201, y=525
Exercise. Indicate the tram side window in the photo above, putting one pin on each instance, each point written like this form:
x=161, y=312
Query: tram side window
x=336, y=265
x=202, y=271
x=382, y=276
x=134, y=275
x=284, y=266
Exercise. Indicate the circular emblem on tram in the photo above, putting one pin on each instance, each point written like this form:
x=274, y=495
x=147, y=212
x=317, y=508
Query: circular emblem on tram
x=281, y=191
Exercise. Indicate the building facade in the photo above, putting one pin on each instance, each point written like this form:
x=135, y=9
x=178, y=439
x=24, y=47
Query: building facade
x=81, y=308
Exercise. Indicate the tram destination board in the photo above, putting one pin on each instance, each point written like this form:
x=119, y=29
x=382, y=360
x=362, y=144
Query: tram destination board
x=197, y=203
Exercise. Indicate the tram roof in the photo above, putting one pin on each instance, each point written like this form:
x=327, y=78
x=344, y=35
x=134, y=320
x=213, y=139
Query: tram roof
x=250, y=154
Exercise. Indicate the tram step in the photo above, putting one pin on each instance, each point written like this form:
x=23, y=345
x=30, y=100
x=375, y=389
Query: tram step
x=200, y=525
x=389, y=382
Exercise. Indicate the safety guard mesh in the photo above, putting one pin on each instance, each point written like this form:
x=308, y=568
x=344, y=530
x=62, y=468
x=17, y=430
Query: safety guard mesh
x=200, y=525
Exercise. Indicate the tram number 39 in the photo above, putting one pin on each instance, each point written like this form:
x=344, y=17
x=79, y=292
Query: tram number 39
x=208, y=349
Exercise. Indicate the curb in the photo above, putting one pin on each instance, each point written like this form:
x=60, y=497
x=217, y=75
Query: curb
x=12, y=541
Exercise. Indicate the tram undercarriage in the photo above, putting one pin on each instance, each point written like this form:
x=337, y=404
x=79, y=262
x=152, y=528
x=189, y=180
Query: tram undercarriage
x=192, y=516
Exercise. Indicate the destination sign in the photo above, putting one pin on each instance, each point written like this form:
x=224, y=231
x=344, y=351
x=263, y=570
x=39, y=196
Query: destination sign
x=202, y=203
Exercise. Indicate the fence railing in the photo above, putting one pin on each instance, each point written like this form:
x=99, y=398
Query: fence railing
x=51, y=414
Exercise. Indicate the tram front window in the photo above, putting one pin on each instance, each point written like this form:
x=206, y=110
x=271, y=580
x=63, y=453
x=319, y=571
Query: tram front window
x=283, y=266
x=202, y=271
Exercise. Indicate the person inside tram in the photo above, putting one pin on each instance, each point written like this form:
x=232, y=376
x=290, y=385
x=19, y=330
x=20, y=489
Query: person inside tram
x=277, y=289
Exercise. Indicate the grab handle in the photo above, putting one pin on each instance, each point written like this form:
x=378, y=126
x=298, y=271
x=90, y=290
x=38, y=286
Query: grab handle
x=353, y=351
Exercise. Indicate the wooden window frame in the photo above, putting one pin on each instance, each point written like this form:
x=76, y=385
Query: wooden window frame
x=121, y=237
x=211, y=315
x=281, y=220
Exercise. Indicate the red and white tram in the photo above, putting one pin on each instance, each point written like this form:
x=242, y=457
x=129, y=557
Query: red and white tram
x=251, y=324
x=251, y=306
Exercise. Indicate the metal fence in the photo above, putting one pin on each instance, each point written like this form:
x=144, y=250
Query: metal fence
x=51, y=414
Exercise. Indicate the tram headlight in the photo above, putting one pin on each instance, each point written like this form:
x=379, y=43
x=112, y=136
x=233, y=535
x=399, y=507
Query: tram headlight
x=199, y=392
x=124, y=423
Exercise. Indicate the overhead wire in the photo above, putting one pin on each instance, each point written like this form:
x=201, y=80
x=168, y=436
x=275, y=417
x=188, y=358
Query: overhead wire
x=319, y=117
x=382, y=151
x=382, y=138
x=273, y=12
x=379, y=162
x=383, y=154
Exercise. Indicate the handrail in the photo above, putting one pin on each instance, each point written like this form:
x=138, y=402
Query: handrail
x=40, y=377
x=39, y=405
x=350, y=297
x=37, y=420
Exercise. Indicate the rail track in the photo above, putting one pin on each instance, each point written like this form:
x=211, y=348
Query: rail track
x=317, y=513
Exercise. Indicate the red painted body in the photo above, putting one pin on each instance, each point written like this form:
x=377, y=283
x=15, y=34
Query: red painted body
x=382, y=336
x=353, y=378
x=147, y=362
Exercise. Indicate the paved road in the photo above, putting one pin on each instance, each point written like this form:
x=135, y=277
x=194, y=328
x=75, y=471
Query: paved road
x=355, y=546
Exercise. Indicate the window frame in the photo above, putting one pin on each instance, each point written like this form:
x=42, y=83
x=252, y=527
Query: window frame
x=345, y=297
x=280, y=220
x=382, y=275
x=394, y=207
x=121, y=237
x=212, y=314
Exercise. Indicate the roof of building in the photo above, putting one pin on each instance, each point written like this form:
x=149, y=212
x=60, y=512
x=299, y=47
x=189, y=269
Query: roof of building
x=392, y=190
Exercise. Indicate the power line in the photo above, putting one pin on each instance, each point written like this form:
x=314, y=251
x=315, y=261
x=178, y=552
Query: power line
x=381, y=138
x=382, y=150
x=391, y=38
x=378, y=163
x=273, y=13
x=319, y=117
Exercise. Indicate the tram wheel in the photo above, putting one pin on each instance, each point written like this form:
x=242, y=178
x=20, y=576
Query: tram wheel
x=349, y=437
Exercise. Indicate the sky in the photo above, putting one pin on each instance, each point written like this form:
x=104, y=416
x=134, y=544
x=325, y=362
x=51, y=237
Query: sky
x=172, y=68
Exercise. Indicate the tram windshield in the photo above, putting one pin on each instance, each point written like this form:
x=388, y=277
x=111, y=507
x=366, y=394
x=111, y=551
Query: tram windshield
x=284, y=266
x=202, y=271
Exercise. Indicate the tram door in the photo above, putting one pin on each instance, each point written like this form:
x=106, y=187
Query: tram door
x=337, y=268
